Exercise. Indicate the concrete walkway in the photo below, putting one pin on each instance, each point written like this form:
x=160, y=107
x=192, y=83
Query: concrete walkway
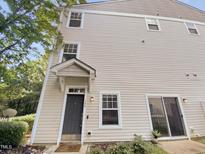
x=51, y=150
x=183, y=147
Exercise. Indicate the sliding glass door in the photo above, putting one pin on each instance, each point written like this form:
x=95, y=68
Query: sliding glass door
x=166, y=116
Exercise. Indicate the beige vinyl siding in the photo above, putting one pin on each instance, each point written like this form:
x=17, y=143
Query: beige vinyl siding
x=49, y=120
x=166, y=8
x=73, y=70
x=113, y=46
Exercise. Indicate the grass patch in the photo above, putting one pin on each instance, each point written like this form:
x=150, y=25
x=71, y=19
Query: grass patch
x=199, y=139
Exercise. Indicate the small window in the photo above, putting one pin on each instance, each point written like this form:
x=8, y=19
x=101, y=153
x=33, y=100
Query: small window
x=191, y=28
x=110, y=109
x=75, y=19
x=152, y=24
x=76, y=90
x=70, y=51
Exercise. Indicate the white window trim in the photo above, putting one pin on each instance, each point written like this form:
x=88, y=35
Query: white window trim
x=119, y=126
x=157, y=20
x=82, y=19
x=187, y=133
x=62, y=50
x=63, y=112
x=187, y=28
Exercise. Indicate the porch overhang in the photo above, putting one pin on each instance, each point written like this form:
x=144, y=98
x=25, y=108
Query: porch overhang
x=73, y=68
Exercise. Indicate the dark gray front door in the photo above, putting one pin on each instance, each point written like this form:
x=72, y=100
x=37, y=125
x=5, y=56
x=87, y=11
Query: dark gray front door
x=73, y=114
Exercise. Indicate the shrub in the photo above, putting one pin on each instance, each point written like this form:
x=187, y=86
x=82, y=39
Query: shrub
x=12, y=132
x=27, y=118
x=139, y=146
x=95, y=150
x=156, y=134
x=119, y=149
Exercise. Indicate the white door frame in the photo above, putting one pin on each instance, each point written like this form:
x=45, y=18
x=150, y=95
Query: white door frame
x=63, y=111
x=187, y=134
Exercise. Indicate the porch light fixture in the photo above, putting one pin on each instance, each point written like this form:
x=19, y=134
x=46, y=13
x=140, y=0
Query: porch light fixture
x=185, y=100
x=91, y=99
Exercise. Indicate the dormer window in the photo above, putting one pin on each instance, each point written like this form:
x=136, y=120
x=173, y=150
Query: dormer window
x=191, y=27
x=152, y=24
x=70, y=51
x=75, y=19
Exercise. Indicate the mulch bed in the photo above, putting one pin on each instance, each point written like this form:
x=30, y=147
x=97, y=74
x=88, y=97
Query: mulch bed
x=27, y=149
x=68, y=148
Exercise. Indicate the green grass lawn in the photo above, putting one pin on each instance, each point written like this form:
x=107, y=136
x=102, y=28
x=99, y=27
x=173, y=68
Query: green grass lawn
x=199, y=139
x=155, y=149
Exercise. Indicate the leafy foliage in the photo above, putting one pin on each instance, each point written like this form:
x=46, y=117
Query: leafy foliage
x=26, y=118
x=156, y=133
x=119, y=149
x=12, y=133
x=137, y=146
x=20, y=86
x=27, y=23
x=96, y=150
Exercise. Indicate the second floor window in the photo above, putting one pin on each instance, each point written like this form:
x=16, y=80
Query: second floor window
x=152, y=24
x=75, y=19
x=70, y=51
x=191, y=28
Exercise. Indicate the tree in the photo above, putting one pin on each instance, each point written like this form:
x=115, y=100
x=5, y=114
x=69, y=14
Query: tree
x=28, y=22
x=25, y=24
x=20, y=86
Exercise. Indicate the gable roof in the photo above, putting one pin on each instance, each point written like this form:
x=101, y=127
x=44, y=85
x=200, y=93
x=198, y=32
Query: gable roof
x=74, y=61
x=165, y=8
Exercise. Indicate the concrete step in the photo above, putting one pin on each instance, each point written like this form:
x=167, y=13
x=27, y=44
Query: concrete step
x=73, y=142
x=70, y=137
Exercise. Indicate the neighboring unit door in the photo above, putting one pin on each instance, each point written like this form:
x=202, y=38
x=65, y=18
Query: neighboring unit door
x=73, y=115
x=166, y=116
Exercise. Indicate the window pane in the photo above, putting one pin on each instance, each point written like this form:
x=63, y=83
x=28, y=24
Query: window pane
x=114, y=104
x=75, y=23
x=190, y=25
x=109, y=101
x=76, y=15
x=114, y=97
x=68, y=56
x=159, y=121
x=109, y=98
x=109, y=104
x=110, y=117
x=153, y=27
x=193, y=31
x=105, y=105
x=151, y=21
x=70, y=48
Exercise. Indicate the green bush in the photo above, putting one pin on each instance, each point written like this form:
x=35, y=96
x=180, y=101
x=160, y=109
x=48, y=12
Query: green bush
x=27, y=118
x=96, y=150
x=12, y=132
x=137, y=146
x=118, y=149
